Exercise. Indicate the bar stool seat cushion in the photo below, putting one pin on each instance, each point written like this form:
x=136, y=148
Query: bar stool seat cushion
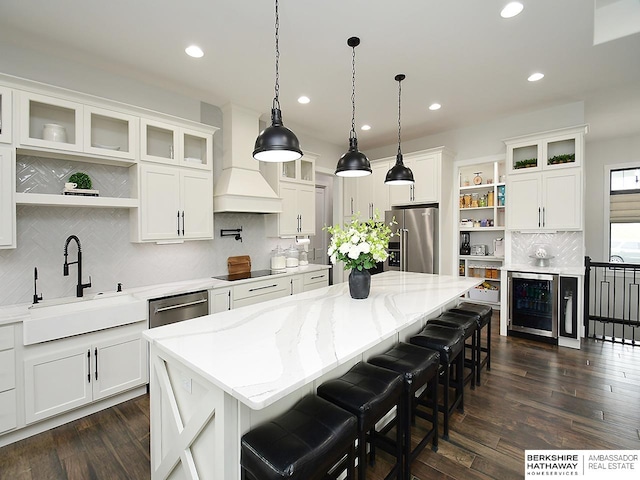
x=417, y=364
x=365, y=390
x=467, y=324
x=308, y=439
x=448, y=341
x=481, y=312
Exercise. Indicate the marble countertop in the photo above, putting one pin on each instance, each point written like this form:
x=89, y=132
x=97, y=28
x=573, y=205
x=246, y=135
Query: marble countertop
x=552, y=269
x=260, y=353
x=18, y=312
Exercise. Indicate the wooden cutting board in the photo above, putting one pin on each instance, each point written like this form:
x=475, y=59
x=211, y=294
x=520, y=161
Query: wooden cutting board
x=239, y=264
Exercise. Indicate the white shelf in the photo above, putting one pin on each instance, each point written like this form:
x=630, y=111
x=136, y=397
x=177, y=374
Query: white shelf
x=48, y=200
x=482, y=257
x=482, y=186
x=485, y=279
x=480, y=229
x=476, y=208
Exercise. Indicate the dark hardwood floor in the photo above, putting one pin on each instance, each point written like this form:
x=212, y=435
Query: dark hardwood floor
x=536, y=396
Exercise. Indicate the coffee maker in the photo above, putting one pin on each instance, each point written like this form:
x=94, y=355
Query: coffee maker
x=465, y=246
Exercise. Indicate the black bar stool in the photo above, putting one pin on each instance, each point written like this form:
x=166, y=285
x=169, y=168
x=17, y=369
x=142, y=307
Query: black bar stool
x=482, y=314
x=369, y=392
x=468, y=326
x=304, y=443
x=419, y=367
x=449, y=342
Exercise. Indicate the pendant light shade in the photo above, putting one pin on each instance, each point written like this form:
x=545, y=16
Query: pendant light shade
x=354, y=163
x=277, y=143
x=399, y=174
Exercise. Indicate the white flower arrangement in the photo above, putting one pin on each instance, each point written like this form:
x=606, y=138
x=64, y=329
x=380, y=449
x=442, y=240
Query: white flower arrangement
x=360, y=245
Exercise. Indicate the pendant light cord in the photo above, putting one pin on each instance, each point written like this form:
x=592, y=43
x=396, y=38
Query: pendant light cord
x=353, y=94
x=276, y=99
x=399, y=124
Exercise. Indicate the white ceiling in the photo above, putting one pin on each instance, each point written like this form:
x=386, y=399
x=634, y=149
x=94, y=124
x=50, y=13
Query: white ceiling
x=459, y=53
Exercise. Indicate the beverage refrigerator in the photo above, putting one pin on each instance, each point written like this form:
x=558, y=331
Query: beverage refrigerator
x=415, y=246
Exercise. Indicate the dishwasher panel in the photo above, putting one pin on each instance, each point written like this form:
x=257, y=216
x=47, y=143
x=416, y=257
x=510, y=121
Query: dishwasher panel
x=176, y=308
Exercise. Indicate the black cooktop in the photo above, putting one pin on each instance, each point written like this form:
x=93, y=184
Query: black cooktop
x=245, y=275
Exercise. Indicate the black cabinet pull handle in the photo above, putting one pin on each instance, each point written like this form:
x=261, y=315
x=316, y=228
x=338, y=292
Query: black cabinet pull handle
x=183, y=223
x=262, y=288
x=88, y=366
x=539, y=221
x=96, y=353
x=178, y=220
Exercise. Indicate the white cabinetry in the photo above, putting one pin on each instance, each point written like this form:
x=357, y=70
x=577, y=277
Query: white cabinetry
x=110, y=133
x=349, y=196
x=220, y=300
x=7, y=202
x=272, y=287
x=294, y=182
x=65, y=374
x=8, y=414
x=313, y=280
x=545, y=180
x=426, y=166
x=5, y=115
x=171, y=144
x=372, y=193
x=175, y=203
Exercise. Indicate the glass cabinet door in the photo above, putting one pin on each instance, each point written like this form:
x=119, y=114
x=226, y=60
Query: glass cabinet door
x=110, y=133
x=50, y=122
x=158, y=142
x=197, y=149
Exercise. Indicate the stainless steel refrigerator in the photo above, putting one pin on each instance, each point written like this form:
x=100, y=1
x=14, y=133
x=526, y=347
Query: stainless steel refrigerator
x=415, y=247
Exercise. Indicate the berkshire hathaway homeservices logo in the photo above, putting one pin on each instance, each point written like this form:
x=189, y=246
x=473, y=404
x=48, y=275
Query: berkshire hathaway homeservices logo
x=582, y=464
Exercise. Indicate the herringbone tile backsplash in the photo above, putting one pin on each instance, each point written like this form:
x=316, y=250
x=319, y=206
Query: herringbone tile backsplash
x=566, y=247
x=108, y=255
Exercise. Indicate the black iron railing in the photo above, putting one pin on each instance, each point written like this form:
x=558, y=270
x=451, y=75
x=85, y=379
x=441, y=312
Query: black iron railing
x=612, y=301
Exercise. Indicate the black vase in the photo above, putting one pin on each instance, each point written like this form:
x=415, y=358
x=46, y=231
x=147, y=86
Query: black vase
x=359, y=283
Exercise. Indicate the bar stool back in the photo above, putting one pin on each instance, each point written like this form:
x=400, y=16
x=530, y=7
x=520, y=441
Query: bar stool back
x=482, y=314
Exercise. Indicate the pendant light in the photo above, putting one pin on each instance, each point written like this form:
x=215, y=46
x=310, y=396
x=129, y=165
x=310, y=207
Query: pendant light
x=353, y=163
x=277, y=143
x=399, y=174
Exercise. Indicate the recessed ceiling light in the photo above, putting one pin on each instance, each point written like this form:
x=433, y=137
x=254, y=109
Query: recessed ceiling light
x=365, y=127
x=303, y=99
x=535, y=77
x=194, y=51
x=511, y=9
x=435, y=106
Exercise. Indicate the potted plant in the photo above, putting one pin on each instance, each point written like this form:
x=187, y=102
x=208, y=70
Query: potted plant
x=360, y=245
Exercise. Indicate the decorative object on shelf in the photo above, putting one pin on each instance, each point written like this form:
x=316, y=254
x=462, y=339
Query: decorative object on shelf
x=529, y=162
x=501, y=196
x=82, y=180
x=353, y=163
x=541, y=253
x=360, y=245
x=477, y=180
x=399, y=174
x=277, y=143
x=565, y=158
x=53, y=132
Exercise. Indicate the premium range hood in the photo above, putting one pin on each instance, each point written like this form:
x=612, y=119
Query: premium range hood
x=241, y=187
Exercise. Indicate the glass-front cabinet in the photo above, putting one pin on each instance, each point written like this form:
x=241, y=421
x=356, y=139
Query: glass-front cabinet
x=301, y=170
x=546, y=151
x=110, y=133
x=49, y=122
x=164, y=143
x=5, y=115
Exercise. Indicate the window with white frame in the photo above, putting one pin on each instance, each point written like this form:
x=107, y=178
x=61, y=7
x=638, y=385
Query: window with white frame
x=624, y=215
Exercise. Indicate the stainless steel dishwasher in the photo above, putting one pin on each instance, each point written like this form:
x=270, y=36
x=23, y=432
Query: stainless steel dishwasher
x=177, y=308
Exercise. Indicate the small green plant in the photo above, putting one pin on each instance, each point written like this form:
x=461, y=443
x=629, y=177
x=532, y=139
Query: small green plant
x=529, y=162
x=565, y=158
x=82, y=180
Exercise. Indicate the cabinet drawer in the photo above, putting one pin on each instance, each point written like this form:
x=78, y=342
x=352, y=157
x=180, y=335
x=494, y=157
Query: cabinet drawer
x=314, y=278
x=8, y=410
x=7, y=370
x=6, y=337
x=262, y=287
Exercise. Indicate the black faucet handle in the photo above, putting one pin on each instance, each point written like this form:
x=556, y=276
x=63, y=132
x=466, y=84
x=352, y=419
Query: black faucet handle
x=36, y=298
x=119, y=289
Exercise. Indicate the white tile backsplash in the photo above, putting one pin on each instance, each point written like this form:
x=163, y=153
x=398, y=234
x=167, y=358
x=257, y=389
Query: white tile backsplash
x=108, y=255
x=566, y=247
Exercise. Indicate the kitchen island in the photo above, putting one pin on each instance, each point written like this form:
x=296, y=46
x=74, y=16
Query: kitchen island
x=215, y=377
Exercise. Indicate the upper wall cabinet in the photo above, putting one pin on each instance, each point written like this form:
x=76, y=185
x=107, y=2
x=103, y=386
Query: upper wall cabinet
x=5, y=115
x=165, y=143
x=49, y=122
x=110, y=133
x=546, y=151
x=7, y=203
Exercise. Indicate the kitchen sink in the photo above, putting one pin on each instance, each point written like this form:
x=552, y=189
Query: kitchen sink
x=60, y=318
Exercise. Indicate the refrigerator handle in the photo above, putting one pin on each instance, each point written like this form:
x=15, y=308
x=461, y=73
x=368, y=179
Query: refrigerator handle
x=403, y=249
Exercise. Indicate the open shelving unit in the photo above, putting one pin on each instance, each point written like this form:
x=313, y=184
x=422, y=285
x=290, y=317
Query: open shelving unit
x=482, y=216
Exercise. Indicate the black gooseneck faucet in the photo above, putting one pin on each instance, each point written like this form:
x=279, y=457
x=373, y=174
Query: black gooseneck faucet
x=65, y=269
x=36, y=297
